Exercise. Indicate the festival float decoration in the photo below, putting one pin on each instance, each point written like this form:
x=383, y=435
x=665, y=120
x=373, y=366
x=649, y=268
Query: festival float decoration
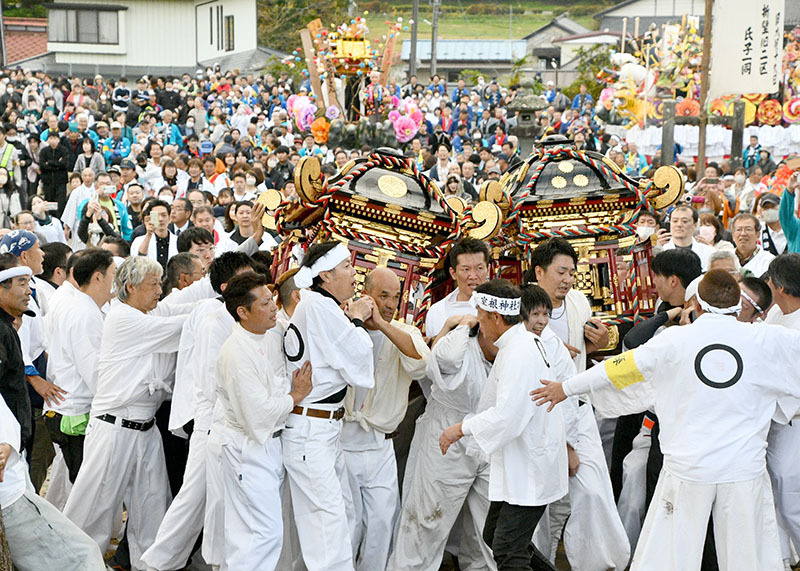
x=583, y=197
x=388, y=213
x=340, y=63
x=666, y=64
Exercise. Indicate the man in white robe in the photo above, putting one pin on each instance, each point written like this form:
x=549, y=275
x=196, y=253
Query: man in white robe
x=715, y=385
x=255, y=405
x=783, y=449
x=123, y=458
x=594, y=538
x=29, y=521
x=453, y=487
x=74, y=342
x=527, y=450
x=197, y=356
x=371, y=417
x=327, y=329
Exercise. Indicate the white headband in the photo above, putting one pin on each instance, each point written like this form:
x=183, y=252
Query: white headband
x=305, y=275
x=501, y=305
x=15, y=273
x=752, y=302
x=708, y=308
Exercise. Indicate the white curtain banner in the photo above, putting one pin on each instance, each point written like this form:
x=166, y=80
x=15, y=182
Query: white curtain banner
x=746, y=47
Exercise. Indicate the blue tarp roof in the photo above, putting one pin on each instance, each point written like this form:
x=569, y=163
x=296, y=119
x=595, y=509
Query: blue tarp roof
x=467, y=50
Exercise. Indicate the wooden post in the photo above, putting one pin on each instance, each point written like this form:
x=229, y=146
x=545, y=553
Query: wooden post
x=624, y=33
x=668, y=133
x=310, y=53
x=388, y=54
x=737, y=134
x=705, y=74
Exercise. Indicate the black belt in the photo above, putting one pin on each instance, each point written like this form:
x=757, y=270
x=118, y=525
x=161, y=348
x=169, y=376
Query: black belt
x=334, y=398
x=131, y=424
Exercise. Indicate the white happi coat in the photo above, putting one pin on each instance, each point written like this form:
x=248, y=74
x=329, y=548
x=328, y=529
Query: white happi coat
x=783, y=460
x=341, y=355
x=527, y=447
x=122, y=464
x=255, y=403
x=716, y=385
x=446, y=485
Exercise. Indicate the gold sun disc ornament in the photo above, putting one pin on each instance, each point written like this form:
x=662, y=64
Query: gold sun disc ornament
x=580, y=180
x=559, y=182
x=566, y=166
x=392, y=186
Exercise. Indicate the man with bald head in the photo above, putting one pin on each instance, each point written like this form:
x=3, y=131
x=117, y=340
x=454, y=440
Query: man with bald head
x=373, y=415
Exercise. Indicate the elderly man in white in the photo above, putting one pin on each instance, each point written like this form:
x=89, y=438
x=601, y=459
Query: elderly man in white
x=123, y=458
x=372, y=416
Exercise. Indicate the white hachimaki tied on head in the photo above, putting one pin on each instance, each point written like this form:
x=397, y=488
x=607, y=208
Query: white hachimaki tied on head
x=306, y=274
x=501, y=305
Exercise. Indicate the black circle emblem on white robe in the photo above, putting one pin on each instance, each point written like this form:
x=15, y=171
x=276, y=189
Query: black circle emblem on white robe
x=720, y=366
x=293, y=345
x=542, y=351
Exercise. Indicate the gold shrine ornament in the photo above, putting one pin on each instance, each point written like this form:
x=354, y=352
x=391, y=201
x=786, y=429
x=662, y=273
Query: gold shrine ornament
x=559, y=182
x=580, y=180
x=392, y=186
x=566, y=166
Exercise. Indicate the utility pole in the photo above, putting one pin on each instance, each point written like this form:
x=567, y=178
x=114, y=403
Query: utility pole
x=511, y=22
x=3, y=59
x=434, y=34
x=412, y=59
x=705, y=74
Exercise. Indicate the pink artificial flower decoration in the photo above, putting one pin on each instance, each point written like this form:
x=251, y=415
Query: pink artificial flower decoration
x=306, y=116
x=405, y=129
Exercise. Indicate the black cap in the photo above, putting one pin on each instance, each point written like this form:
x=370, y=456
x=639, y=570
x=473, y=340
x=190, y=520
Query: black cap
x=770, y=198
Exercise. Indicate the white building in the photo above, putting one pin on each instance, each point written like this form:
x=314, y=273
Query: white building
x=150, y=36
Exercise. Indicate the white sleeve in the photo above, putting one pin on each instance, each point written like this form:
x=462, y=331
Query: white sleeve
x=85, y=349
x=10, y=432
x=256, y=408
x=347, y=348
x=496, y=426
x=415, y=368
x=447, y=357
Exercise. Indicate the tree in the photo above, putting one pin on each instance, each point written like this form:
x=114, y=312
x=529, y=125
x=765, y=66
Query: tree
x=591, y=62
x=280, y=22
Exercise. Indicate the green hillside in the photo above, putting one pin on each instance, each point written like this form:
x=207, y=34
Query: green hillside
x=480, y=19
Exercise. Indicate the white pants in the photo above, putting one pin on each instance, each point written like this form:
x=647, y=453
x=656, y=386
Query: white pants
x=783, y=464
x=376, y=502
x=633, y=497
x=594, y=537
x=252, y=476
x=321, y=495
x=213, y=547
x=41, y=537
x=435, y=488
x=745, y=530
x=60, y=486
x=183, y=521
x=120, y=466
